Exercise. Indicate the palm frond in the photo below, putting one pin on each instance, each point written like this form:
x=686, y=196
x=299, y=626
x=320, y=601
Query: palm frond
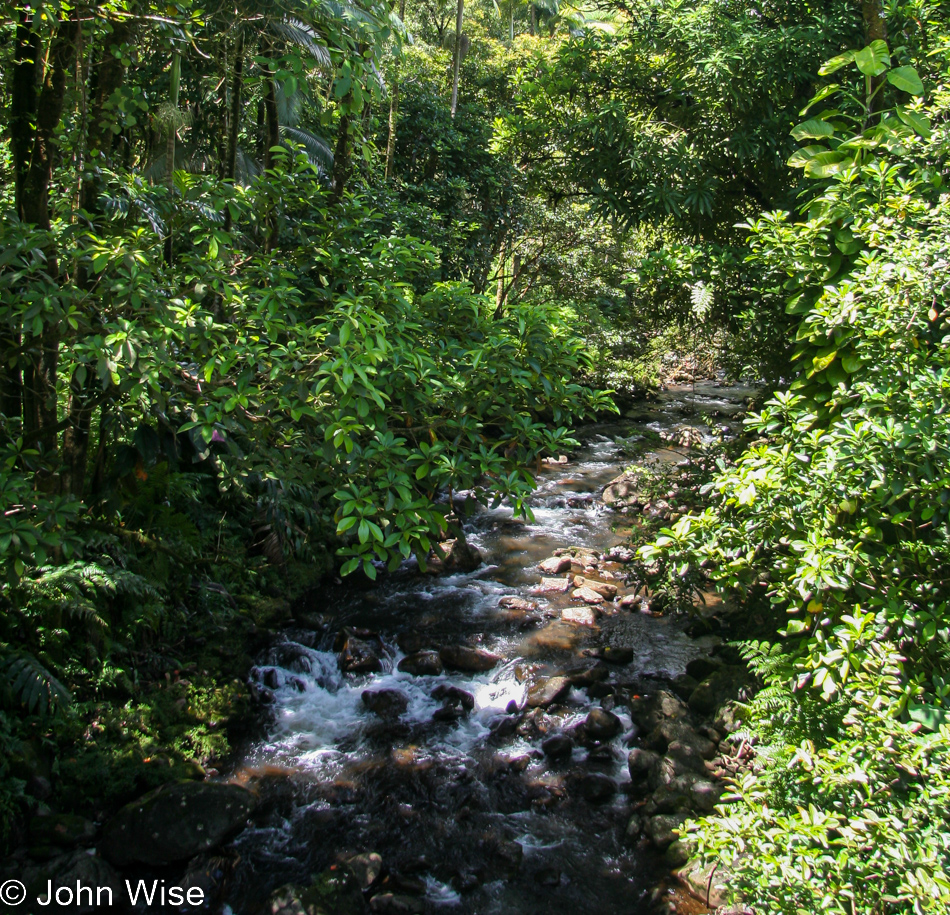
x=317, y=148
x=303, y=36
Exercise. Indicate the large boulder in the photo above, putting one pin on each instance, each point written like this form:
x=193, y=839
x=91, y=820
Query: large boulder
x=624, y=491
x=470, y=660
x=547, y=691
x=601, y=724
x=648, y=711
x=460, y=556
x=422, y=664
x=389, y=704
x=175, y=822
x=78, y=867
x=359, y=656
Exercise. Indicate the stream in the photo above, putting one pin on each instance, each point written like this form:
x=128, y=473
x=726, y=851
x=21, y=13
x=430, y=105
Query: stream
x=446, y=779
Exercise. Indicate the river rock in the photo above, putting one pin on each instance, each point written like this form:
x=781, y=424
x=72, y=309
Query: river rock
x=630, y=601
x=454, y=696
x=679, y=732
x=720, y=687
x=579, y=616
x=586, y=671
x=588, y=595
x=708, y=885
x=683, y=685
x=79, y=866
x=62, y=829
x=422, y=664
x=601, y=725
x=555, y=565
x=396, y=904
x=623, y=491
x=365, y=868
x=617, y=655
x=558, y=746
x=633, y=830
x=648, y=711
x=547, y=691
x=460, y=556
x=641, y=763
x=606, y=591
x=728, y=719
x=358, y=656
x=175, y=822
x=660, y=828
x=700, y=668
x=594, y=787
x=387, y=703
x=620, y=554
x=470, y=660
x=553, y=586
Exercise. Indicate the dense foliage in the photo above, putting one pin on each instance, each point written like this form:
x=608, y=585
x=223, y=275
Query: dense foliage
x=836, y=520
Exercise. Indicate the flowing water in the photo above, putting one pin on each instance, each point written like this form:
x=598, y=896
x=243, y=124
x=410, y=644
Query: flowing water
x=464, y=808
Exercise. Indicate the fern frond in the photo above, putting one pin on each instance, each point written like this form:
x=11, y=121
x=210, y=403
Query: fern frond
x=32, y=685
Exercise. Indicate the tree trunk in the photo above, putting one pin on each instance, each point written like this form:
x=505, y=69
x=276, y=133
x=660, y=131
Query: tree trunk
x=341, y=158
x=170, y=151
x=457, y=54
x=35, y=117
x=234, y=127
x=394, y=106
x=533, y=20
x=272, y=139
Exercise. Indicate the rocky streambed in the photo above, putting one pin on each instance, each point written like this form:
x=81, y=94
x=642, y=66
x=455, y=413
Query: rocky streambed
x=518, y=731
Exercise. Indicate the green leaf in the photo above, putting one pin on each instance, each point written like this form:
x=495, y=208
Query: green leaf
x=906, y=79
x=813, y=129
x=827, y=165
x=916, y=122
x=801, y=157
x=835, y=64
x=929, y=716
x=874, y=59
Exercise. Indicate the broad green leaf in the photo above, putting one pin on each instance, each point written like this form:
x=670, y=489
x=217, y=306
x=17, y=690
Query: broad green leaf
x=917, y=122
x=827, y=165
x=820, y=96
x=835, y=64
x=820, y=363
x=874, y=59
x=812, y=129
x=906, y=79
x=801, y=157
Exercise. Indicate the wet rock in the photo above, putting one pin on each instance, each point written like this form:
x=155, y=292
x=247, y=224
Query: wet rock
x=686, y=756
x=722, y=686
x=62, y=830
x=558, y=746
x=387, y=703
x=270, y=677
x=680, y=733
x=452, y=695
x=175, y=822
x=508, y=855
x=588, y=595
x=555, y=565
x=470, y=660
x=580, y=616
x=594, y=787
x=460, y=556
x=708, y=883
x=553, y=586
x=705, y=794
x=80, y=867
x=729, y=719
x=585, y=672
x=212, y=875
x=633, y=830
x=548, y=876
x=422, y=664
x=466, y=881
x=660, y=828
x=623, y=491
x=413, y=642
x=517, y=609
x=545, y=692
x=641, y=762
x=607, y=592
x=683, y=685
x=601, y=725
x=677, y=853
x=630, y=601
x=700, y=668
x=620, y=554
x=396, y=904
x=613, y=654
x=648, y=711
x=358, y=656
